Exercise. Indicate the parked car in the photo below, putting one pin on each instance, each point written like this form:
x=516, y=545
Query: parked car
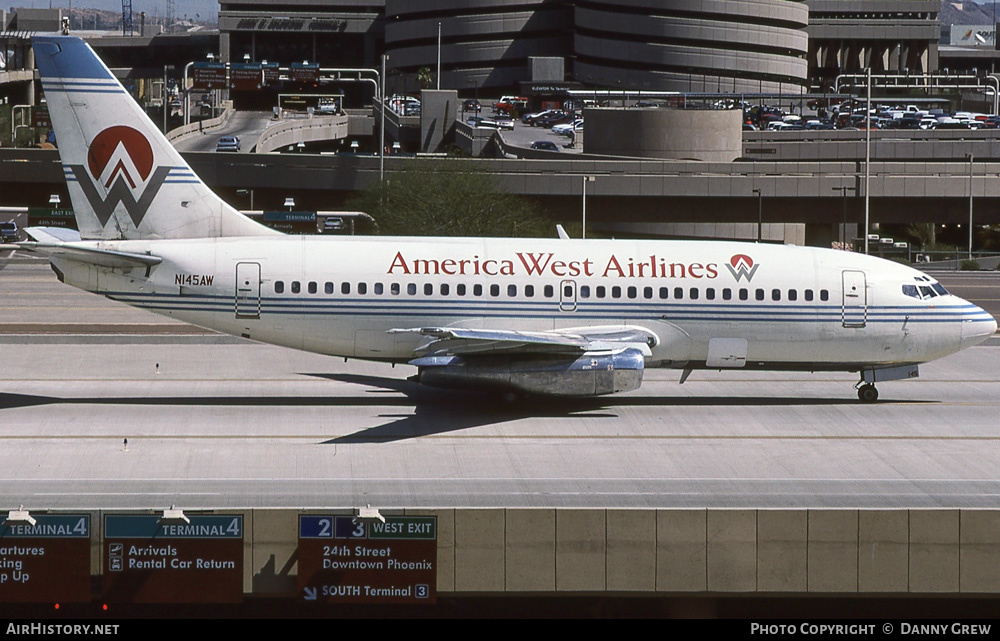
x=552, y=119
x=228, y=143
x=8, y=232
x=510, y=104
x=528, y=119
x=567, y=128
x=472, y=105
x=545, y=145
x=504, y=122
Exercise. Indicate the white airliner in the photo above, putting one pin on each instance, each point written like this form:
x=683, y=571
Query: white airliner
x=559, y=316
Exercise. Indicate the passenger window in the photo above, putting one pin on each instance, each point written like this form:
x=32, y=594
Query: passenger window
x=647, y=292
x=793, y=294
x=328, y=288
x=678, y=293
x=664, y=293
x=345, y=288
x=460, y=289
x=394, y=289
x=710, y=293
x=693, y=292
x=362, y=288
x=824, y=295
x=744, y=294
x=477, y=290
x=759, y=294
x=296, y=287
x=512, y=290
x=494, y=290
x=411, y=289
x=549, y=291
x=428, y=289
x=312, y=287
x=601, y=291
x=568, y=292
x=279, y=287
x=727, y=294
x=529, y=290
x=379, y=288
x=808, y=294
x=445, y=289
x=616, y=292
x=584, y=291
x=775, y=294
x=631, y=292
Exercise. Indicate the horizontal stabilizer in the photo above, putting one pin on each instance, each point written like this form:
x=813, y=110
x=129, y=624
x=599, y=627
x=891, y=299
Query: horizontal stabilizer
x=90, y=255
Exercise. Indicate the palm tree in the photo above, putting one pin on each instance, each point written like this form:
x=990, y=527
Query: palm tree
x=425, y=77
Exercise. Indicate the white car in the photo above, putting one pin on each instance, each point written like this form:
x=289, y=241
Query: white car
x=567, y=128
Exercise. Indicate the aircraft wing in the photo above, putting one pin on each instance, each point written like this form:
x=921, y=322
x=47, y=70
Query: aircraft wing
x=458, y=341
x=59, y=243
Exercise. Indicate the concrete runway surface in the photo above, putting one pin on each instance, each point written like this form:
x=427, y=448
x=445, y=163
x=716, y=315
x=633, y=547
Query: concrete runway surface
x=213, y=421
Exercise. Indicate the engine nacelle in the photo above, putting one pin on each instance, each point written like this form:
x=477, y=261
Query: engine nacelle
x=591, y=374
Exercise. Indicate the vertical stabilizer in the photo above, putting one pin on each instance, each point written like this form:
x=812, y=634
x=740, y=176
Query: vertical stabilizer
x=125, y=179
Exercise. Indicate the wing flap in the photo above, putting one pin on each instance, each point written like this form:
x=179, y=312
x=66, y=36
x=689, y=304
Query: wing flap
x=467, y=341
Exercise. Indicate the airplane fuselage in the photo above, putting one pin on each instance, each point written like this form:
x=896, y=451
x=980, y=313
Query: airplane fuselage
x=709, y=304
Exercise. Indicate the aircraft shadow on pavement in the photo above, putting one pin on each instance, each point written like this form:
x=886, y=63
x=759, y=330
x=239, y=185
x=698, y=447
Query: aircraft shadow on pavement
x=434, y=411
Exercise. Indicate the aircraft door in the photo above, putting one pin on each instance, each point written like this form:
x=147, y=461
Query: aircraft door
x=567, y=296
x=855, y=306
x=247, y=290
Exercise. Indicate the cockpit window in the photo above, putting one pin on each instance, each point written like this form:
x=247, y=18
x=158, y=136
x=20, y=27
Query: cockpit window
x=927, y=292
x=939, y=288
x=911, y=290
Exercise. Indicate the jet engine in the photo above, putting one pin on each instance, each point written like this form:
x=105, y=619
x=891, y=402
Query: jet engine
x=591, y=374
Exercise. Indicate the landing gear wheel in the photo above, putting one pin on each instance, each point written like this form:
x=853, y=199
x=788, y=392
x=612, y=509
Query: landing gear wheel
x=867, y=393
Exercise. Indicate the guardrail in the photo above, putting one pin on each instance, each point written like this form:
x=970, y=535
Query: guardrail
x=202, y=125
x=290, y=132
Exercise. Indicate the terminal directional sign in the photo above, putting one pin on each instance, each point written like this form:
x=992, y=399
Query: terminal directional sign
x=209, y=75
x=343, y=561
x=45, y=562
x=42, y=217
x=245, y=76
x=149, y=560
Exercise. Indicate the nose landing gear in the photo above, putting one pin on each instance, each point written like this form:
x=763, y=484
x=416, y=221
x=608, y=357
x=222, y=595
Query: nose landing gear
x=867, y=393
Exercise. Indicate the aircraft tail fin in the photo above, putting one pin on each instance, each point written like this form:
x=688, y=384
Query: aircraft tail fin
x=125, y=179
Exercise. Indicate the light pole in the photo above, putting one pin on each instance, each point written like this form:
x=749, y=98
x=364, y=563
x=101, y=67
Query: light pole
x=381, y=145
x=586, y=179
x=970, y=159
x=760, y=212
x=868, y=152
x=439, y=58
x=843, y=189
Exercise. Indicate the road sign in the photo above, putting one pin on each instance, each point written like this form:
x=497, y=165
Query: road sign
x=148, y=560
x=45, y=562
x=209, y=75
x=343, y=561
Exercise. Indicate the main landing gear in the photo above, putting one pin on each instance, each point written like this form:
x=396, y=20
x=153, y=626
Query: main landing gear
x=867, y=393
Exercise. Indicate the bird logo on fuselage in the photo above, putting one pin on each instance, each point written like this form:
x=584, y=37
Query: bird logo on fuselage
x=742, y=266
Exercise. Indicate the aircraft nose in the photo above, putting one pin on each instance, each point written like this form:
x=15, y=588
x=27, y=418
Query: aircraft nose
x=977, y=326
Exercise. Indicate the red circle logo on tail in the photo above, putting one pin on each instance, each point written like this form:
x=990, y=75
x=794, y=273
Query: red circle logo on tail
x=102, y=150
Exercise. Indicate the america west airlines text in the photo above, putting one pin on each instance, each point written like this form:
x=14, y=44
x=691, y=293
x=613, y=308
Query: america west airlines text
x=546, y=264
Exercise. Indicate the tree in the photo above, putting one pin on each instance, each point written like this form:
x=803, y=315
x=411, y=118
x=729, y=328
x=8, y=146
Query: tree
x=425, y=77
x=445, y=198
